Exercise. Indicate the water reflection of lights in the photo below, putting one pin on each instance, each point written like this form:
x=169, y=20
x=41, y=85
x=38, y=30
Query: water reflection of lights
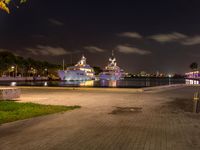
x=147, y=83
x=13, y=83
x=87, y=83
x=45, y=84
x=112, y=83
x=108, y=83
x=191, y=82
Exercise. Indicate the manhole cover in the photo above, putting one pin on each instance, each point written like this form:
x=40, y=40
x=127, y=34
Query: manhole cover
x=119, y=110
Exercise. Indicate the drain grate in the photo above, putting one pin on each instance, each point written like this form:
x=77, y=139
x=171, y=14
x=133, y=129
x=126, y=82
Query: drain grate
x=120, y=110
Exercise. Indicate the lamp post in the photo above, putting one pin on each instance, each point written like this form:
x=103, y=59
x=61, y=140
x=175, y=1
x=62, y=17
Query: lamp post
x=63, y=64
x=169, y=76
x=46, y=71
x=13, y=70
x=16, y=71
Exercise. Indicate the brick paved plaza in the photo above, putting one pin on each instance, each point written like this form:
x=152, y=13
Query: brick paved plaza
x=108, y=120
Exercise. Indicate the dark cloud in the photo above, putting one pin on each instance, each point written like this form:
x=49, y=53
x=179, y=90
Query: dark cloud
x=47, y=51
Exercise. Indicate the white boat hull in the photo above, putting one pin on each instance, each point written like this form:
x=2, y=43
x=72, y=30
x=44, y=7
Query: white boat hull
x=73, y=75
x=113, y=76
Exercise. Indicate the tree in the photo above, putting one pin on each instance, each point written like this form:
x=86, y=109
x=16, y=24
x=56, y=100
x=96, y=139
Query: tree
x=4, y=4
x=24, y=67
x=6, y=61
x=194, y=66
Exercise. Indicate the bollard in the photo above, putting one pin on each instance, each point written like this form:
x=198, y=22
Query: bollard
x=195, y=102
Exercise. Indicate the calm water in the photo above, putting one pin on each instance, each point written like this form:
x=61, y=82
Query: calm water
x=127, y=83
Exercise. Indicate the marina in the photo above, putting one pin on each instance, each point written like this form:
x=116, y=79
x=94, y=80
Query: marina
x=99, y=75
x=84, y=72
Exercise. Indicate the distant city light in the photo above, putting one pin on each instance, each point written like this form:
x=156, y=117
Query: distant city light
x=13, y=83
x=45, y=84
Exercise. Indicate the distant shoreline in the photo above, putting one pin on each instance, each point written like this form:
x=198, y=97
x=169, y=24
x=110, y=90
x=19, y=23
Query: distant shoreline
x=23, y=79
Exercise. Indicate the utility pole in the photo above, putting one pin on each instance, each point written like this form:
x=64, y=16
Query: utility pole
x=63, y=64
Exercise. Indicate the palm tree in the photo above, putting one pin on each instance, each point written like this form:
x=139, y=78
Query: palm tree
x=5, y=4
x=194, y=67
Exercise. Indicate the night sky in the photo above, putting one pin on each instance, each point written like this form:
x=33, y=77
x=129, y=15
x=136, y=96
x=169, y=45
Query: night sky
x=146, y=35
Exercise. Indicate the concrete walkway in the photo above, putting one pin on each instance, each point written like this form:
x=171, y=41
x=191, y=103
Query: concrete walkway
x=107, y=121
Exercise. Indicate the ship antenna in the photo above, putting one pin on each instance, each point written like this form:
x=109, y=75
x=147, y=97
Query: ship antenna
x=82, y=53
x=112, y=53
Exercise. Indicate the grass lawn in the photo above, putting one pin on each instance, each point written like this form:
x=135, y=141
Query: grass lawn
x=12, y=111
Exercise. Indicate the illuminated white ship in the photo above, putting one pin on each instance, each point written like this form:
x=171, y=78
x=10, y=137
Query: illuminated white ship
x=80, y=72
x=112, y=71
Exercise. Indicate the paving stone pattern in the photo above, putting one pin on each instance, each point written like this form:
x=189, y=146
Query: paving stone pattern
x=157, y=123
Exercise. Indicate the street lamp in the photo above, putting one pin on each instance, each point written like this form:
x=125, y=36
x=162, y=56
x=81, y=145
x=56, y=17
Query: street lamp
x=169, y=76
x=46, y=71
x=13, y=70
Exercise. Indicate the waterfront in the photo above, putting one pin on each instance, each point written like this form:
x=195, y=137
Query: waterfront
x=159, y=120
x=127, y=83
x=130, y=67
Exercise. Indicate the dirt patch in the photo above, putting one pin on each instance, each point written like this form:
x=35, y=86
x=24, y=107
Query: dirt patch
x=179, y=105
x=126, y=110
x=194, y=116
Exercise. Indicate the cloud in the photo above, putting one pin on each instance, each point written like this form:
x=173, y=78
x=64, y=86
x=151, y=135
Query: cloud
x=10, y=51
x=171, y=37
x=56, y=22
x=176, y=37
x=4, y=50
x=47, y=51
x=128, y=50
x=131, y=35
x=94, y=49
x=191, y=41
